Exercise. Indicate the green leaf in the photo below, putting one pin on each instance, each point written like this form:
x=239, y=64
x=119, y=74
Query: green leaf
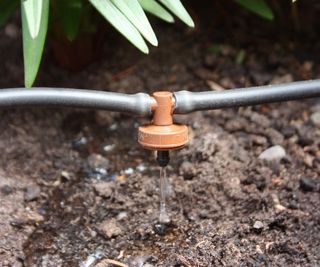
x=32, y=10
x=120, y=22
x=154, y=8
x=259, y=7
x=176, y=7
x=135, y=14
x=7, y=7
x=70, y=13
x=33, y=47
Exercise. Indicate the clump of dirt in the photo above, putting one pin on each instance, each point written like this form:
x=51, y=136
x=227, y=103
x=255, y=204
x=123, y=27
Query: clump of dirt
x=75, y=192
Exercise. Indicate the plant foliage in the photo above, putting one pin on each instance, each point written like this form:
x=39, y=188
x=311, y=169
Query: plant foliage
x=126, y=16
x=34, y=31
x=259, y=7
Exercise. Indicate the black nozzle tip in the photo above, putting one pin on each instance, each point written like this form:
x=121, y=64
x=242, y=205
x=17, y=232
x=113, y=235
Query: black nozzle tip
x=163, y=158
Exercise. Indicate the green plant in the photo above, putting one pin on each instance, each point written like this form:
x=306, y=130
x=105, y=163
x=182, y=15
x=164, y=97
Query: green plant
x=127, y=16
x=259, y=7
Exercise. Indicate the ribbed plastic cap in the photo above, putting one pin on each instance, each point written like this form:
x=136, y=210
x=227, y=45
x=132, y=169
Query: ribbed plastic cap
x=169, y=137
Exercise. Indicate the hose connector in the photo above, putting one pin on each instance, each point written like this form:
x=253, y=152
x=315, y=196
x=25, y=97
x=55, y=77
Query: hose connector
x=162, y=133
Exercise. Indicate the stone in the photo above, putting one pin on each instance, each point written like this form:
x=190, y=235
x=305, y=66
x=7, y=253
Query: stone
x=274, y=153
x=32, y=192
x=122, y=215
x=104, y=189
x=258, y=226
x=110, y=228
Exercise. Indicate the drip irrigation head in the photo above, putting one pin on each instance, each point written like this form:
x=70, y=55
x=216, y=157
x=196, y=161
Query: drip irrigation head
x=163, y=158
x=162, y=134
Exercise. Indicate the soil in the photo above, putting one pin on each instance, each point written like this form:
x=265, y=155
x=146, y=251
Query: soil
x=77, y=190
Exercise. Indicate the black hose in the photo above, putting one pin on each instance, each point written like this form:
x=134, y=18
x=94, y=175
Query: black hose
x=193, y=101
x=138, y=104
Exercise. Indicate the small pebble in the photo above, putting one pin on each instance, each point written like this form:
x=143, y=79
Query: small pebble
x=104, y=189
x=109, y=148
x=32, y=192
x=307, y=184
x=110, y=228
x=274, y=153
x=258, y=226
x=122, y=215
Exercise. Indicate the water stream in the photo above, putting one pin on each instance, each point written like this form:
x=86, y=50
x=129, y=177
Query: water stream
x=163, y=216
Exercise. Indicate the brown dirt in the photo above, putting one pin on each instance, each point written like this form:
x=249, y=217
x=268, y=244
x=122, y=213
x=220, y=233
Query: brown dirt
x=228, y=208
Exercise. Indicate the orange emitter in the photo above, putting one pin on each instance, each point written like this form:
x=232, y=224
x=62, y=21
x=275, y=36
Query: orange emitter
x=162, y=134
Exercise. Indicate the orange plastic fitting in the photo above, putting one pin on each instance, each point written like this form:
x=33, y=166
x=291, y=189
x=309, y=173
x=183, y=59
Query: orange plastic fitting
x=162, y=133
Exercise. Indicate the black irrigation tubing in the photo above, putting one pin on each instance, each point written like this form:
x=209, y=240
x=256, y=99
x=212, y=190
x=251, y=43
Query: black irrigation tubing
x=140, y=103
x=193, y=101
